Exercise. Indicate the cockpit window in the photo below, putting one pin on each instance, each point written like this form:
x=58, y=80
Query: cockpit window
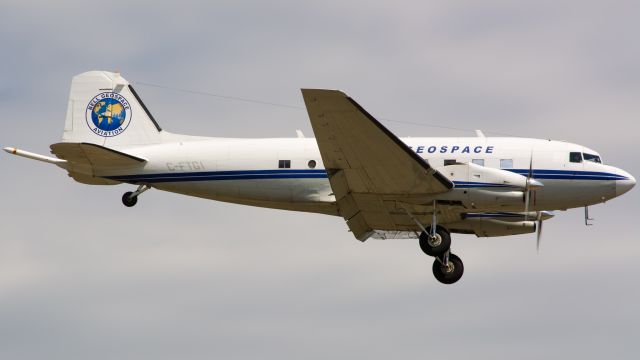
x=575, y=157
x=592, y=158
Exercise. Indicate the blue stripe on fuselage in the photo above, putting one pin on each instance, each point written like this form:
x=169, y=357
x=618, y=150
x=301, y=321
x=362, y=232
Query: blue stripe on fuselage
x=471, y=184
x=568, y=174
x=223, y=175
x=321, y=174
x=493, y=215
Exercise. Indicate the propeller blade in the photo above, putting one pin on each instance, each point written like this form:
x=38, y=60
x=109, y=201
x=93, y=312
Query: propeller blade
x=527, y=195
x=539, y=235
x=526, y=205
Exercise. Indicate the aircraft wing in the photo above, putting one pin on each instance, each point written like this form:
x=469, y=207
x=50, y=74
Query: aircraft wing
x=369, y=168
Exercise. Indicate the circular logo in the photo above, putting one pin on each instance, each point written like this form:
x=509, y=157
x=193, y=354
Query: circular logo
x=108, y=114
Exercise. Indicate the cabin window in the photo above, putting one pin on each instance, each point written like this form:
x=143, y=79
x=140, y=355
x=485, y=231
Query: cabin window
x=506, y=163
x=449, y=162
x=312, y=164
x=575, y=157
x=284, y=164
x=592, y=158
x=478, y=162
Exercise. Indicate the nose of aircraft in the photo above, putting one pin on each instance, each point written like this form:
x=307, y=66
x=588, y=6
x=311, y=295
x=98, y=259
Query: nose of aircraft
x=626, y=184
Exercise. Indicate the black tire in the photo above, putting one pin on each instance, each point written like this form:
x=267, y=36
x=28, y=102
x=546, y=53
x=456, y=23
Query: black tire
x=129, y=200
x=441, y=248
x=448, y=276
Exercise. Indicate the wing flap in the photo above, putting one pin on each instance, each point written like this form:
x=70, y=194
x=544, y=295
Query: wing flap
x=359, y=227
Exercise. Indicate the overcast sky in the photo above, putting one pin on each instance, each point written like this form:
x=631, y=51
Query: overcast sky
x=83, y=277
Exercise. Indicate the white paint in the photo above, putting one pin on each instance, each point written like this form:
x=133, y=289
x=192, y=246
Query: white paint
x=245, y=171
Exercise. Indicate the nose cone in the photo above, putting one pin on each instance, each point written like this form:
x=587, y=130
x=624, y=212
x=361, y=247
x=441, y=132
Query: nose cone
x=626, y=184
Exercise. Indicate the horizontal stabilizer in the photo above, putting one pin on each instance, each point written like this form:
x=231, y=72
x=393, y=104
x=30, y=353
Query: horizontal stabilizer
x=94, y=155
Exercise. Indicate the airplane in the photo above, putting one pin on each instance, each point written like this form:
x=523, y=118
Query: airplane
x=383, y=186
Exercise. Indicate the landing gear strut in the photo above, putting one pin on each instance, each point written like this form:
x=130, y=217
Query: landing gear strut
x=129, y=198
x=436, y=241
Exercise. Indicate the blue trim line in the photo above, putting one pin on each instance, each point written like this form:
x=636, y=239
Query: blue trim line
x=494, y=215
x=322, y=174
x=569, y=174
x=471, y=184
x=223, y=175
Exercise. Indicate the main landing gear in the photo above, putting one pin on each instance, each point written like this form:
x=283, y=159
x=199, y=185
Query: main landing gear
x=435, y=244
x=436, y=241
x=130, y=198
x=448, y=268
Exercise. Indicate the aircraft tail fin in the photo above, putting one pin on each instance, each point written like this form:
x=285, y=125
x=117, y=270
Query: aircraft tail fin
x=104, y=109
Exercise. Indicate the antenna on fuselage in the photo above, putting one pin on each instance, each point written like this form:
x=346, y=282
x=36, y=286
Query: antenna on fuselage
x=586, y=217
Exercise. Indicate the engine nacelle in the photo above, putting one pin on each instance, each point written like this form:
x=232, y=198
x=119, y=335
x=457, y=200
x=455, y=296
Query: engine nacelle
x=470, y=174
x=481, y=198
x=492, y=227
x=481, y=187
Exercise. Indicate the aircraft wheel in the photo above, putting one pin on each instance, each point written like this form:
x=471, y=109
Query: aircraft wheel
x=129, y=200
x=448, y=274
x=435, y=246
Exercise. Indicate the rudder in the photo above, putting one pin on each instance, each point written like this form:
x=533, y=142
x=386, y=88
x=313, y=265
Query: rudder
x=104, y=109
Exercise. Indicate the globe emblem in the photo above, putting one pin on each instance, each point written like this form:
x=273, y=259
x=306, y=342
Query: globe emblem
x=108, y=114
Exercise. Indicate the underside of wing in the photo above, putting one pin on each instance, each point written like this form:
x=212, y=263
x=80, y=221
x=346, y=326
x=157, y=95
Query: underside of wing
x=369, y=168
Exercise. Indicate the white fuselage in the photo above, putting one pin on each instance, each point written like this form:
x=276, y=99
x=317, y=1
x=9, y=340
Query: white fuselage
x=246, y=171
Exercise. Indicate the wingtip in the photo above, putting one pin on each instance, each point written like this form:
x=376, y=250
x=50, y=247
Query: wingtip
x=309, y=91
